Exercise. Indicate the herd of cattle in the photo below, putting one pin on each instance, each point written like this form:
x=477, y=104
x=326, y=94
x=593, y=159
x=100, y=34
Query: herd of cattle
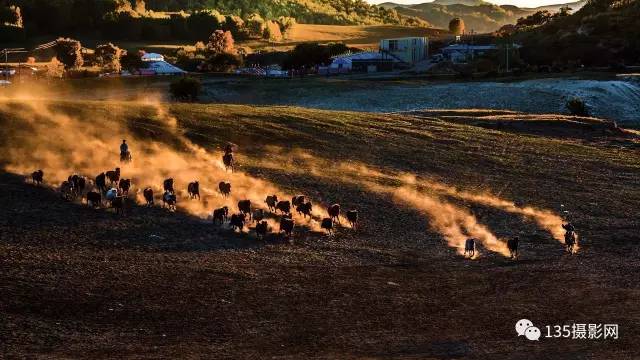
x=110, y=189
x=114, y=190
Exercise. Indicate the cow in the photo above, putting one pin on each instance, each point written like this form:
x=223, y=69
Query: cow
x=262, y=228
x=78, y=182
x=284, y=206
x=227, y=159
x=167, y=185
x=194, y=190
x=113, y=175
x=237, y=221
x=220, y=215
x=271, y=201
x=258, y=215
x=37, y=177
x=470, y=247
x=118, y=204
x=352, y=217
x=101, y=183
x=244, y=206
x=286, y=225
x=298, y=200
x=67, y=191
x=94, y=199
x=334, y=212
x=225, y=188
x=148, y=196
x=512, y=245
x=304, y=209
x=169, y=200
x=327, y=224
x=125, y=186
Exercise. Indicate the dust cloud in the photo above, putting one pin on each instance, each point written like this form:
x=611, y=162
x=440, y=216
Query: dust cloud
x=61, y=144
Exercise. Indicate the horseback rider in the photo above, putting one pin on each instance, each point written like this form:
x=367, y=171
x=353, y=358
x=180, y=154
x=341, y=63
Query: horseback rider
x=125, y=155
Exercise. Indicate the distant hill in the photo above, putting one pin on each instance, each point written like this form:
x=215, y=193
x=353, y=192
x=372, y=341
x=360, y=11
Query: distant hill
x=478, y=15
x=22, y=20
x=602, y=33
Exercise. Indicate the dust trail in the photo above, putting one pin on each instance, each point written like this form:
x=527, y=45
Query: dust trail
x=454, y=223
x=42, y=137
x=354, y=172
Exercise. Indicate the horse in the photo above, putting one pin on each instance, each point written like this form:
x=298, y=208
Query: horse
x=37, y=177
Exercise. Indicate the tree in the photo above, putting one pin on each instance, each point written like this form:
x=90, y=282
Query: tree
x=255, y=25
x=286, y=24
x=69, y=52
x=221, y=62
x=272, y=31
x=132, y=61
x=108, y=56
x=221, y=42
x=456, y=26
x=185, y=89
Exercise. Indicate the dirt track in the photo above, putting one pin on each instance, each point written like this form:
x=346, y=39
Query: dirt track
x=77, y=282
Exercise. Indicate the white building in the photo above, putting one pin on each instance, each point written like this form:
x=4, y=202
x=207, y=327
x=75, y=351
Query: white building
x=410, y=50
x=156, y=65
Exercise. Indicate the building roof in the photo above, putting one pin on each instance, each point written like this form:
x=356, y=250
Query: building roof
x=152, y=57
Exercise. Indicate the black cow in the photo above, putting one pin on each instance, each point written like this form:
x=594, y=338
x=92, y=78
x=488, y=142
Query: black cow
x=118, y=204
x=225, y=188
x=94, y=199
x=304, y=209
x=258, y=215
x=262, y=229
x=167, y=185
x=237, y=221
x=334, y=212
x=227, y=159
x=284, y=206
x=194, y=190
x=148, y=196
x=297, y=200
x=220, y=215
x=101, y=183
x=327, y=224
x=512, y=245
x=125, y=186
x=271, y=201
x=37, y=177
x=470, y=247
x=67, y=191
x=352, y=217
x=113, y=175
x=244, y=206
x=286, y=225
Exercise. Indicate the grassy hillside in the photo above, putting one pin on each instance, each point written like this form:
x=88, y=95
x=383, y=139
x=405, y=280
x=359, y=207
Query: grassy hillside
x=602, y=33
x=478, y=15
x=82, y=282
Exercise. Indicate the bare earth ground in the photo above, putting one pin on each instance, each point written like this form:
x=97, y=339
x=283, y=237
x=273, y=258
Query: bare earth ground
x=81, y=283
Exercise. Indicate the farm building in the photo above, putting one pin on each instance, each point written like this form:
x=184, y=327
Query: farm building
x=368, y=61
x=410, y=50
x=460, y=53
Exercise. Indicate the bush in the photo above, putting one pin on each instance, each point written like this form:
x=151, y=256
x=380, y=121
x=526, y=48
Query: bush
x=185, y=89
x=577, y=107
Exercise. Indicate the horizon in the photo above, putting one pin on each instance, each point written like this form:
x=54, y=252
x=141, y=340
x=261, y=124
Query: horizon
x=518, y=3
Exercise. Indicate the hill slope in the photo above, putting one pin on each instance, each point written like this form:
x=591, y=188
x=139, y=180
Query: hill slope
x=81, y=282
x=478, y=15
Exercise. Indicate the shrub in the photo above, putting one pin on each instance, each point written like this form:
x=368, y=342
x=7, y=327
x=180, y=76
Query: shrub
x=577, y=107
x=221, y=42
x=185, y=89
x=108, y=56
x=69, y=52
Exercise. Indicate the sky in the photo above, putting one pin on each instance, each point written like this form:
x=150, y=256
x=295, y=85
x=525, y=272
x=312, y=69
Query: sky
x=519, y=3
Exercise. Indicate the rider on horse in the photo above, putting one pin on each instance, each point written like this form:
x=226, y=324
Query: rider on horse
x=125, y=155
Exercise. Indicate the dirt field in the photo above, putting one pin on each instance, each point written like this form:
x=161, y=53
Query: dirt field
x=84, y=283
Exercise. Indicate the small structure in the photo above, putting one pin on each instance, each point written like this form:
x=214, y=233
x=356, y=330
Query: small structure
x=460, y=53
x=156, y=65
x=367, y=61
x=410, y=50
